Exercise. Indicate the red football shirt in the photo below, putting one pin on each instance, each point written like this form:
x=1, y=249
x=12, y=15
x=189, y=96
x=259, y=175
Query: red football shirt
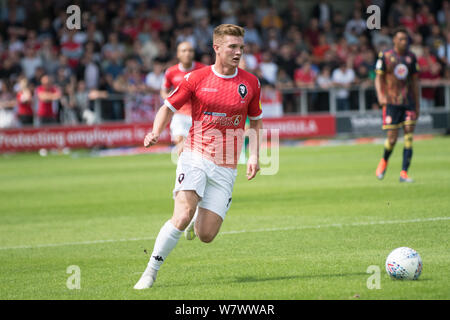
x=23, y=108
x=173, y=77
x=45, y=108
x=220, y=105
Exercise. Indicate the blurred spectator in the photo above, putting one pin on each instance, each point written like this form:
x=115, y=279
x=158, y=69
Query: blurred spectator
x=429, y=72
x=324, y=82
x=356, y=24
x=285, y=59
x=268, y=68
x=30, y=62
x=7, y=104
x=47, y=94
x=416, y=46
x=154, y=79
x=444, y=50
x=312, y=33
x=435, y=39
x=24, y=99
x=272, y=20
x=343, y=77
x=71, y=49
x=284, y=83
x=322, y=11
x=408, y=20
x=305, y=77
x=69, y=112
x=251, y=32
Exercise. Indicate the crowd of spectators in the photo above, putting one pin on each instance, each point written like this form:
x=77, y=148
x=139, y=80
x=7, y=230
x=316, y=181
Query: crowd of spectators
x=53, y=74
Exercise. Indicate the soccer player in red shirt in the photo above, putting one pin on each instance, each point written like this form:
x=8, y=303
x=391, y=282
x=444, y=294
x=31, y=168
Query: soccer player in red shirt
x=181, y=120
x=397, y=87
x=222, y=96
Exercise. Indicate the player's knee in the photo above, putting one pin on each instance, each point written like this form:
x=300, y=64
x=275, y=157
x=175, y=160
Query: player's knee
x=408, y=140
x=206, y=237
x=182, y=217
x=392, y=141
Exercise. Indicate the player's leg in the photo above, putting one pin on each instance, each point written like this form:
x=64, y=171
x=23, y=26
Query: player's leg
x=215, y=203
x=389, y=144
x=185, y=206
x=207, y=225
x=391, y=123
x=407, y=153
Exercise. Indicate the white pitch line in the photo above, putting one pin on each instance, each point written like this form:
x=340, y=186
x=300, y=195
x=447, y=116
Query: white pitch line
x=333, y=225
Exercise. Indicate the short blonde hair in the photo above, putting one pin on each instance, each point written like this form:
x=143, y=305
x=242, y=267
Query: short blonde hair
x=227, y=30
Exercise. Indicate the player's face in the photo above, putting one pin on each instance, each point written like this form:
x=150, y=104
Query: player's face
x=230, y=50
x=185, y=53
x=401, y=41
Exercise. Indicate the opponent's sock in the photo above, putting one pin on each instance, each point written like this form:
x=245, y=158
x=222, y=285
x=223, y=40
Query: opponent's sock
x=407, y=151
x=388, y=148
x=166, y=240
x=407, y=155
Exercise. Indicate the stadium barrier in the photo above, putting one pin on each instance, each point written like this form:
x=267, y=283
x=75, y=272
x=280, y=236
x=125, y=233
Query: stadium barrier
x=83, y=136
x=132, y=134
x=138, y=113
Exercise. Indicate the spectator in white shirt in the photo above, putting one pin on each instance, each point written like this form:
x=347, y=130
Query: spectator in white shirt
x=268, y=68
x=343, y=77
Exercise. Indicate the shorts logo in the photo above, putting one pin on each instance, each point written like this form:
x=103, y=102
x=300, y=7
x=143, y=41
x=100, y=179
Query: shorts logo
x=181, y=178
x=242, y=89
x=388, y=119
x=229, y=201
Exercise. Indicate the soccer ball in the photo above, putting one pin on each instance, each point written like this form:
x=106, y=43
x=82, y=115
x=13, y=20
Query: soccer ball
x=404, y=263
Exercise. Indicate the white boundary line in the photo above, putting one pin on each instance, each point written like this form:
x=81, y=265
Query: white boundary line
x=333, y=225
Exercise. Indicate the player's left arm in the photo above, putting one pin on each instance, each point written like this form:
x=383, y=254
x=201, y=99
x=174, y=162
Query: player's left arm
x=255, y=117
x=416, y=93
x=253, y=160
x=415, y=85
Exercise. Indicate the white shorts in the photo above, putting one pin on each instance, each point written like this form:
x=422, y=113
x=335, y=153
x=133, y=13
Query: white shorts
x=212, y=183
x=180, y=125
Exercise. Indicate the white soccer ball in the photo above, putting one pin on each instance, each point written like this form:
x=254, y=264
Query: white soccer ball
x=404, y=263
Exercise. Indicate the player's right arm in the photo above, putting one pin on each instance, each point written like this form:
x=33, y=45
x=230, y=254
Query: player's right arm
x=380, y=69
x=162, y=119
x=174, y=102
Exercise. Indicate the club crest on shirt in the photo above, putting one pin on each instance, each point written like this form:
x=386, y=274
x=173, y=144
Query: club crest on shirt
x=401, y=71
x=242, y=90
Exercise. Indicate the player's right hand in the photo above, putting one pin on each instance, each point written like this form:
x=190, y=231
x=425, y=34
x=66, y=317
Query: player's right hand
x=150, y=139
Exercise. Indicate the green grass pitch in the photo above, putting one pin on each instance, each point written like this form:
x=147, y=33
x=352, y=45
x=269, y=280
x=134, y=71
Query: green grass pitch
x=309, y=232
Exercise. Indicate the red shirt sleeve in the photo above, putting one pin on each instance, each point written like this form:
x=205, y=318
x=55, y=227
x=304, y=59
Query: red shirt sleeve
x=181, y=94
x=254, y=107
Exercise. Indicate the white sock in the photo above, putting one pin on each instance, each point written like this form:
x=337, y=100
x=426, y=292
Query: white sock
x=195, y=215
x=166, y=240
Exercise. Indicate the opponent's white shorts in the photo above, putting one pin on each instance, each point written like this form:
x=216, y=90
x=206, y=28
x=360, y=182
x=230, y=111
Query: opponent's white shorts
x=212, y=183
x=180, y=125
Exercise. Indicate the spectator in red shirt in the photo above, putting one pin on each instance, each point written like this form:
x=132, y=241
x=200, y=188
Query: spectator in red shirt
x=305, y=77
x=408, y=20
x=24, y=98
x=429, y=72
x=47, y=93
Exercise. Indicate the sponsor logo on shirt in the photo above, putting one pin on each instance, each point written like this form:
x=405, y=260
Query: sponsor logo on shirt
x=222, y=119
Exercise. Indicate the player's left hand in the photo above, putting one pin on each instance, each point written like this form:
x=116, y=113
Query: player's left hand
x=252, y=168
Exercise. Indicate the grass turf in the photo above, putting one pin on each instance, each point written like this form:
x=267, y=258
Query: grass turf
x=308, y=232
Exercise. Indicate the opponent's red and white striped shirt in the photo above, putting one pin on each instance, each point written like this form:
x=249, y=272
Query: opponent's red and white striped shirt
x=220, y=106
x=173, y=77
